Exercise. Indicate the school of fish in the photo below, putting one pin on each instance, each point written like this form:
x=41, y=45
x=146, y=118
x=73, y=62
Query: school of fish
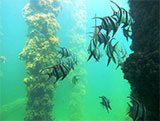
x=101, y=35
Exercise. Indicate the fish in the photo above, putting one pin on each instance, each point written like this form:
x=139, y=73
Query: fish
x=121, y=57
x=2, y=59
x=75, y=79
x=105, y=102
x=119, y=13
x=58, y=71
x=114, y=26
x=74, y=58
x=108, y=23
x=110, y=51
x=64, y=52
x=104, y=25
x=96, y=31
x=123, y=16
x=137, y=111
x=95, y=52
x=126, y=33
x=69, y=61
x=103, y=38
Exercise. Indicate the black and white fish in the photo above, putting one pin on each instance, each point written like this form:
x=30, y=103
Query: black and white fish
x=121, y=57
x=94, y=52
x=106, y=103
x=68, y=61
x=58, y=71
x=126, y=33
x=74, y=58
x=102, y=38
x=137, y=111
x=108, y=23
x=64, y=52
x=122, y=15
x=110, y=51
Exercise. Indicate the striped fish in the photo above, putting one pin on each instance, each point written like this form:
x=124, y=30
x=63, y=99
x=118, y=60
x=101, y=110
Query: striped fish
x=137, y=111
x=58, y=71
x=121, y=57
x=94, y=51
x=126, y=33
x=118, y=14
x=105, y=102
x=102, y=38
x=69, y=61
x=64, y=52
x=110, y=51
x=108, y=23
x=123, y=16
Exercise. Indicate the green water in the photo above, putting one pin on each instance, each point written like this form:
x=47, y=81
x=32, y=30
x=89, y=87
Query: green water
x=99, y=79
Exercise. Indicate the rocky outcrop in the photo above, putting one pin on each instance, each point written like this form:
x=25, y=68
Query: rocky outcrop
x=141, y=69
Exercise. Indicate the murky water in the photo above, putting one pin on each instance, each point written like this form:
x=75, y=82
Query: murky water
x=78, y=102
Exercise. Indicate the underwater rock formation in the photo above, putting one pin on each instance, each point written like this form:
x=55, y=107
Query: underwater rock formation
x=141, y=69
x=40, y=16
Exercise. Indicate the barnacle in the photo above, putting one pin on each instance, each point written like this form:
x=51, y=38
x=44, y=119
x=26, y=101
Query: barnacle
x=54, y=39
x=29, y=65
x=26, y=80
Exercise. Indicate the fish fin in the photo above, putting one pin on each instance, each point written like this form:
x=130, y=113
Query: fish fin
x=135, y=100
x=117, y=66
x=119, y=10
x=95, y=27
x=109, y=59
x=56, y=80
x=114, y=59
x=129, y=105
x=114, y=12
x=105, y=45
x=91, y=37
x=64, y=76
x=114, y=47
x=97, y=17
x=89, y=57
x=110, y=107
x=89, y=32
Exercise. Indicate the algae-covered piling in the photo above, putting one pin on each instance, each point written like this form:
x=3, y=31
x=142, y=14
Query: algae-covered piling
x=40, y=16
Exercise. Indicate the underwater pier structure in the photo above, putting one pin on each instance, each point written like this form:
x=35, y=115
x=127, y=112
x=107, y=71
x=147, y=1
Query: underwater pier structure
x=40, y=16
x=142, y=68
x=78, y=41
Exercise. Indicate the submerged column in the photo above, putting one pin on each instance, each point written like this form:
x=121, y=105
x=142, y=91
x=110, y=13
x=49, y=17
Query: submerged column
x=78, y=40
x=40, y=16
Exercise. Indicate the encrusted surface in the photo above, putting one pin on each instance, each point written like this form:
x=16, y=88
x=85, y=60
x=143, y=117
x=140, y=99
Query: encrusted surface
x=38, y=53
x=141, y=69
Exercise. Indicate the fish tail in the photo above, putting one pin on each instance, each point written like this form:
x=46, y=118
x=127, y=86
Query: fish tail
x=108, y=61
x=117, y=66
x=97, y=17
x=114, y=47
x=90, y=56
